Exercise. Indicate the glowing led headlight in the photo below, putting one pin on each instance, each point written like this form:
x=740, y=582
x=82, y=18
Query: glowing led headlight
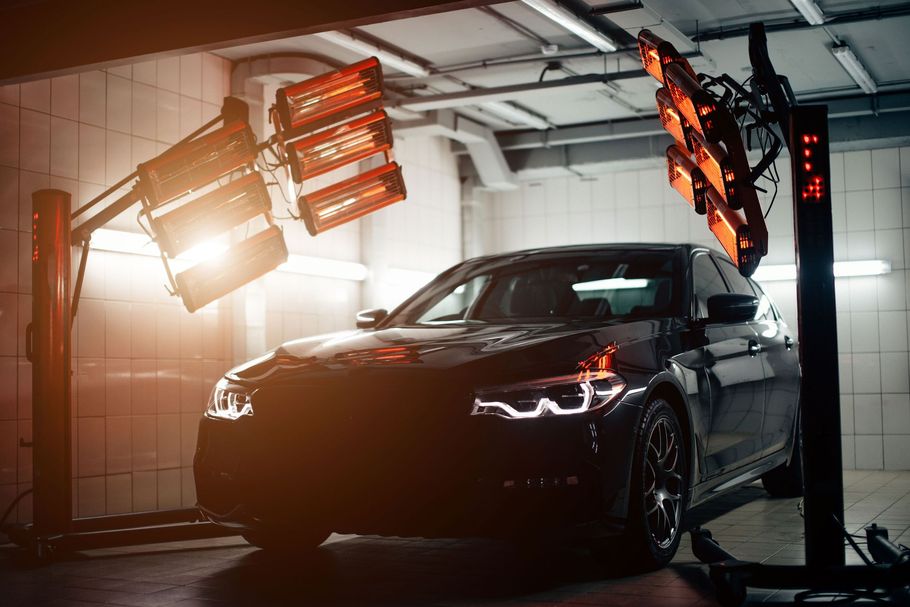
x=564, y=395
x=229, y=402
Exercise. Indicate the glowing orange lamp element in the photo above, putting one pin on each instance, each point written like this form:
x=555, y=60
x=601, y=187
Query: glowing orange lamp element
x=656, y=54
x=197, y=163
x=671, y=119
x=333, y=148
x=717, y=166
x=329, y=98
x=352, y=198
x=687, y=178
x=207, y=281
x=734, y=235
x=695, y=103
x=212, y=214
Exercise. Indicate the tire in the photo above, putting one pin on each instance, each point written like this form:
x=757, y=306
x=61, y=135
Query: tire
x=786, y=480
x=286, y=541
x=658, y=489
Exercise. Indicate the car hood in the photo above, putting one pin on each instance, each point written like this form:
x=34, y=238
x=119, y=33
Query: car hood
x=499, y=349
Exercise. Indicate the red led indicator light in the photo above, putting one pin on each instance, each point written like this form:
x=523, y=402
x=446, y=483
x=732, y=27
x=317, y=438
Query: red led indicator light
x=807, y=166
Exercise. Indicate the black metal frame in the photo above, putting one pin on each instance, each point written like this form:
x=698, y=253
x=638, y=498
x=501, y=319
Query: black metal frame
x=819, y=434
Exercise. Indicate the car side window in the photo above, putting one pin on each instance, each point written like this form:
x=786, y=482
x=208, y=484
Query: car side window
x=765, y=307
x=736, y=280
x=706, y=281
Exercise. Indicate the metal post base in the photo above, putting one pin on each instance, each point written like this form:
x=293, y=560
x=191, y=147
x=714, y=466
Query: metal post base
x=119, y=530
x=732, y=577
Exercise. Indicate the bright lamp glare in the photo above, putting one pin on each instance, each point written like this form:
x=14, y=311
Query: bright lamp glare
x=842, y=269
x=133, y=243
x=610, y=284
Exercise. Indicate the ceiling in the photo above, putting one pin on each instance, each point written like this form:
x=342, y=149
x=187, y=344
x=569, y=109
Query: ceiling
x=500, y=45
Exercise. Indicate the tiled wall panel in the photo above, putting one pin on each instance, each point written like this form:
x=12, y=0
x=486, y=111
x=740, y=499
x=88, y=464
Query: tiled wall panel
x=82, y=133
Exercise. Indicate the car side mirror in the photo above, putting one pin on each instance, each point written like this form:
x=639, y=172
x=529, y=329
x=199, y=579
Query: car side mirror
x=367, y=319
x=731, y=307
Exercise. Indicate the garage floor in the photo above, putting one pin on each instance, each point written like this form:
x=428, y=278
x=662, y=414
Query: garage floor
x=351, y=570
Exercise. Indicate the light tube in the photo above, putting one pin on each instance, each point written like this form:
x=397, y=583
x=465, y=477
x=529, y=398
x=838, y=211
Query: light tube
x=512, y=112
x=853, y=66
x=567, y=19
x=610, y=284
x=368, y=49
x=810, y=11
x=842, y=269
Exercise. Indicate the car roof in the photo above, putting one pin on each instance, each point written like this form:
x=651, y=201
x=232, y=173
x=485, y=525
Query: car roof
x=593, y=248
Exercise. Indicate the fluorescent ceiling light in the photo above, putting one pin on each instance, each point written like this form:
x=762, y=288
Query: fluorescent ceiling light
x=871, y=267
x=810, y=11
x=134, y=243
x=328, y=268
x=842, y=269
x=513, y=113
x=855, y=68
x=610, y=284
x=567, y=19
x=369, y=49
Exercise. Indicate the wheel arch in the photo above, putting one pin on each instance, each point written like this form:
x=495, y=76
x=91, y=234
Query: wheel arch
x=666, y=387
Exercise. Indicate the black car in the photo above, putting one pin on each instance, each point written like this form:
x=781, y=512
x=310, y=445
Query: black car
x=580, y=392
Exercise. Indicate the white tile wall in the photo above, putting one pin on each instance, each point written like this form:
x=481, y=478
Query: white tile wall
x=871, y=206
x=94, y=127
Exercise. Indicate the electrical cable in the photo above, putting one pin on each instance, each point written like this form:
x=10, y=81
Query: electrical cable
x=9, y=508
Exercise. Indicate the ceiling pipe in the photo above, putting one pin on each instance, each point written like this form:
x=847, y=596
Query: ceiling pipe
x=786, y=25
x=505, y=93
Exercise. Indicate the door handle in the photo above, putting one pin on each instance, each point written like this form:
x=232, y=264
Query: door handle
x=788, y=342
x=754, y=347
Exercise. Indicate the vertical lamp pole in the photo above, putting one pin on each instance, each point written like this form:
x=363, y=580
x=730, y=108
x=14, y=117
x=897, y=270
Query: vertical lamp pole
x=820, y=415
x=48, y=349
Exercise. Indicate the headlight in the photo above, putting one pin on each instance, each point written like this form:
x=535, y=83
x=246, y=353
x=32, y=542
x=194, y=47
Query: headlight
x=229, y=402
x=565, y=395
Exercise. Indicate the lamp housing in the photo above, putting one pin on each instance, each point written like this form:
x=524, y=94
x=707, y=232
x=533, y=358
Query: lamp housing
x=339, y=146
x=197, y=163
x=211, y=214
x=321, y=101
x=207, y=281
x=686, y=178
x=695, y=103
x=717, y=166
x=671, y=119
x=352, y=198
x=656, y=53
x=732, y=232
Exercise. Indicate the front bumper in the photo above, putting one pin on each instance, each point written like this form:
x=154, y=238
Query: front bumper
x=425, y=473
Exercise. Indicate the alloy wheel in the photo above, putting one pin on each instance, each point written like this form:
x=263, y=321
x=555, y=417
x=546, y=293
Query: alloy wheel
x=663, y=483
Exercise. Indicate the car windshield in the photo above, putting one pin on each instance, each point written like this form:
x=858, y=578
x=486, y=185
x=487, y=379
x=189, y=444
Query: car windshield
x=549, y=288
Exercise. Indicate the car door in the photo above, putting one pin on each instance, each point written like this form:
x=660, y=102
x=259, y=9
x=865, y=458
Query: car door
x=782, y=377
x=735, y=376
